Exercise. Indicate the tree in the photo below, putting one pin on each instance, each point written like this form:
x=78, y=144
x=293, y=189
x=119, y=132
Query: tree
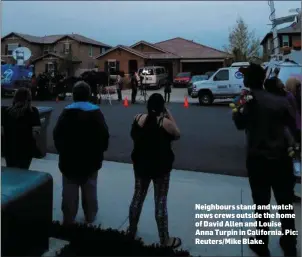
x=243, y=44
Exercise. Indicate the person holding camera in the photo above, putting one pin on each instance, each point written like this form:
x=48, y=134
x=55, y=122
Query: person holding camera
x=152, y=157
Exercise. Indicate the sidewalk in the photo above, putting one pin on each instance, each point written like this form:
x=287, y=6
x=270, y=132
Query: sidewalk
x=115, y=189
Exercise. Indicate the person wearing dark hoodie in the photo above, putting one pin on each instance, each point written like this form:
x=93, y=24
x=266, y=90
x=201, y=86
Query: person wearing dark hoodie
x=81, y=137
x=268, y=164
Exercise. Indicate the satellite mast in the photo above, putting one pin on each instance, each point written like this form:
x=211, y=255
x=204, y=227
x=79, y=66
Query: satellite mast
x=278, y=21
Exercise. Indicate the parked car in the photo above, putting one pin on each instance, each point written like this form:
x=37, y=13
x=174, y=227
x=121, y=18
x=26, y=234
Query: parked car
x=153, y=76
x=224, y=84
x=195, y=79
x=182, y=79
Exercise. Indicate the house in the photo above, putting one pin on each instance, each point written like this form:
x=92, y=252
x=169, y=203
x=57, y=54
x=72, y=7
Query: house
x=288, y=37
x=49, y=52
x=176, y=55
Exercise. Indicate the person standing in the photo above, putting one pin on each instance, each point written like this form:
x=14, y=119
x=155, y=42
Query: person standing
x=152, y=157
x=134, y=86
x=81, y=137
x=33, y=86
x=268, y=164
x=120, y=85
x=20, y=126
x=167, y=91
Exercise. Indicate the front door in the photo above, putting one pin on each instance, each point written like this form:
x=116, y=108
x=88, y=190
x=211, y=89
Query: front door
x=132, y=66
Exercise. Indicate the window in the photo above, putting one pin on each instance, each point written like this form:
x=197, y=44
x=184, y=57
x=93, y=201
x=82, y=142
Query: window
x=90, y=51
x=66, y=48
x=285, y=40
x=102, y=50
x=222, y=75
x=11, y=48
x=158, y=71
x=49, y=49
x=49, y=67
x=163, y=71
x=112, y=66
x=268, y=44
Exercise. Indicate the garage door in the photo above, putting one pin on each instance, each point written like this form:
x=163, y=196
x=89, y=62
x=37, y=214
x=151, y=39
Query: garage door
x=200, y=68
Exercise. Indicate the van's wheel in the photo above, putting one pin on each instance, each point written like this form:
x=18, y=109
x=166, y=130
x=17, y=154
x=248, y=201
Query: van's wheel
x=205, y=98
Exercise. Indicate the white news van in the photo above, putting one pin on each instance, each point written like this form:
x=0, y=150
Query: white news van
x=223, y=84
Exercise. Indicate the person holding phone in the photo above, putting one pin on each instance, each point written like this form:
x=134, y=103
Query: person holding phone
x=152, y=157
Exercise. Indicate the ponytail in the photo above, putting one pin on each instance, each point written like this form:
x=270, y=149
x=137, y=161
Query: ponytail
x=151, y=121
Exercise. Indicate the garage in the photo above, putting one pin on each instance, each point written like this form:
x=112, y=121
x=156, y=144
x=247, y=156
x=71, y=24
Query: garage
x=200, y=67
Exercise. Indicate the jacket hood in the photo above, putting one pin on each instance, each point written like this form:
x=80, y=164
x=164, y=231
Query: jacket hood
x=83, y=106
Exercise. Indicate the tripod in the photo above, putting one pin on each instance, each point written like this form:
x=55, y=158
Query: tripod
x=144, y=96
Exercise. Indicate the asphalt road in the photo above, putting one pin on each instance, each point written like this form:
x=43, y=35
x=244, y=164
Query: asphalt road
x=209, y=140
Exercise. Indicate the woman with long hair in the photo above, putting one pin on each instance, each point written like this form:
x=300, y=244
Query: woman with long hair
x=20, y=126
x=152, y=157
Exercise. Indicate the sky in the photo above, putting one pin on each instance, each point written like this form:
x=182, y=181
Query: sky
x=126, y=22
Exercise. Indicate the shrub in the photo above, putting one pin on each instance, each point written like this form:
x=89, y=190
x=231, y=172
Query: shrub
x=87, y=240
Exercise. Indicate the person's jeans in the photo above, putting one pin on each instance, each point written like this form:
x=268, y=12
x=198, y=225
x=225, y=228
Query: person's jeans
x=167, y=97
x=119, y=94
x=277, y=175
x=133, y=95
x=70, y=199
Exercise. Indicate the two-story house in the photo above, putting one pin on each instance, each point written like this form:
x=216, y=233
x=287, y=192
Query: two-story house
x=49, y=52
x=288, y=37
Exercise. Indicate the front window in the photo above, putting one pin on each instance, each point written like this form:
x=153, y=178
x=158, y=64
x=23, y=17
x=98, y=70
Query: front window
x=90, y=51
x=48, y=49
x=11, y=48
x=222, y=75
x=285, y=40
x=147, y=72
x=112, y=67
x=50, y=67
x=183, y=75
x=102, y=50
x=66, y=48
x=199, y=78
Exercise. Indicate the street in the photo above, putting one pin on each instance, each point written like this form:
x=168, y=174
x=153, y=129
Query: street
x=209, y=140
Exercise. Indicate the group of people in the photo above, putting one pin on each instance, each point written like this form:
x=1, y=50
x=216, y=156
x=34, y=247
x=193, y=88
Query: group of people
x=273, y=111
x=137, y=82
x=81, y=137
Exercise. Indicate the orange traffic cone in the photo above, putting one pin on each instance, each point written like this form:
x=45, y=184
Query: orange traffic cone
x=126, y=104
x=186, y=104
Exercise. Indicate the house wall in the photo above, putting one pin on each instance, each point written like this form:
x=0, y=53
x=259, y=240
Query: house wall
x=123, y=57
x=36, y=49
x=146, y=49
x=269, y=51
x=40, y=65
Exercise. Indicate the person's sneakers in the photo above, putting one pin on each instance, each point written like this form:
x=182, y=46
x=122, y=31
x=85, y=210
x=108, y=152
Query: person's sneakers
x=260, y=250
x=289, y=246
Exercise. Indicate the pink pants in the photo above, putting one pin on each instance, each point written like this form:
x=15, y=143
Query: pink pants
x=70, y=199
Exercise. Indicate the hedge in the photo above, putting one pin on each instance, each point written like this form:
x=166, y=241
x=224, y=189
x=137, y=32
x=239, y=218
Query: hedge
x=88, y=240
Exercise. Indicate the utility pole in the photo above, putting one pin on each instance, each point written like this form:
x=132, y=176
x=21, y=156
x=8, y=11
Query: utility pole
x=278, y=21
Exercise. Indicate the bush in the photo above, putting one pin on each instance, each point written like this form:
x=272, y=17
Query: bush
x=87, y=240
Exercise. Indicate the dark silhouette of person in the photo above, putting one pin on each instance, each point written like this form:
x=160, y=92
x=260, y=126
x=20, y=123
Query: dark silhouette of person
x=120, y=84
x=167, y=91
x=134, y=86
x=81, y=137
x=268, y=164
x=152, y=157
x=20, y=124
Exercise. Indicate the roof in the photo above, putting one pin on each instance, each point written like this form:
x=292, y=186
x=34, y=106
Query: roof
x=51, y=39
x=184, y=48
x=74, y=58
x=291, y=29
x=148, y=44
x=125, y=48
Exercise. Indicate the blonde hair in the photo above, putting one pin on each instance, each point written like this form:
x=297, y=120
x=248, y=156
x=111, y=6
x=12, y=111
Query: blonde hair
x=291, y=85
